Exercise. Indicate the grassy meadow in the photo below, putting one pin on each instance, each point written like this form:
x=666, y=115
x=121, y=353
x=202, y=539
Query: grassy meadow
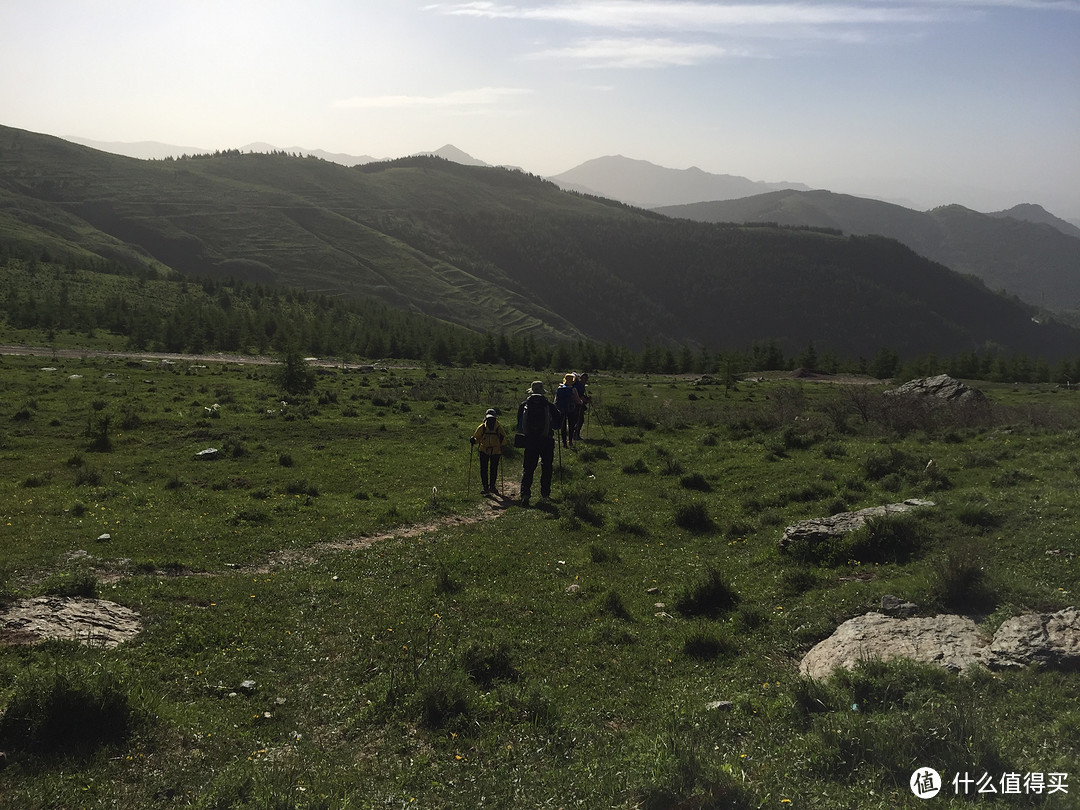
x=633, y=643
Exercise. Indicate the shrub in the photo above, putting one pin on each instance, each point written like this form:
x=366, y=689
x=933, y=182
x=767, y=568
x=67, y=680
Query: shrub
x=600, y=554
x=796, y=581
x=55, y=712
x=889, y=538
x=694, y=516
x=684, y=774
x=706, y=646
x=711, y=597
x=749, y=617
x=487, y=663
x=293, y=375
x=443, y=702
x=638, y=467
x=961, y=582
x=880, y=464
x=97, y=429
x=695, y=481
x=445, y=583
x=977, y=514
x=613, y=606
x=301, y=487
x=71, y=583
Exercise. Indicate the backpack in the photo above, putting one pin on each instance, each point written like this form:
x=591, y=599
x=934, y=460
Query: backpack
x=536, y=417
x=564, y=399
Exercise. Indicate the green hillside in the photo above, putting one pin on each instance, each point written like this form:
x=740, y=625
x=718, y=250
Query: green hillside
x=1032, y=260
x=499, y=251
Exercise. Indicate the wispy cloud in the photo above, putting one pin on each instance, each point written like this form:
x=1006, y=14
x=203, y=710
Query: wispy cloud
x=693, y=16
x=660, y=15
x=478, y=97
x=635, y=53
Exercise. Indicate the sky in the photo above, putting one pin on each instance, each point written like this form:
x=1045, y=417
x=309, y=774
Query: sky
x=925, y=102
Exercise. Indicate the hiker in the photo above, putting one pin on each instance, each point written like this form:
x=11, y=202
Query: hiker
x=567, y=402
x=537, y=419
x=580, y=381
x=490, y=438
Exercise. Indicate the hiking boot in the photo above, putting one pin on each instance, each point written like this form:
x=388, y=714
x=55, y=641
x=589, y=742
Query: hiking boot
x=524, y=503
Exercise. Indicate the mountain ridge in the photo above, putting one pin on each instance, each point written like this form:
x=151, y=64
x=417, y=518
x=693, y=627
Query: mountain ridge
x=499, y=250
x=1034, y=260
x=647, y=185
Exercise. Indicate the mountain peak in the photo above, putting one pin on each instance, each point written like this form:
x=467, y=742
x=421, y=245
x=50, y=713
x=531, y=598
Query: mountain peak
x=1032, y=212
x=455, y=155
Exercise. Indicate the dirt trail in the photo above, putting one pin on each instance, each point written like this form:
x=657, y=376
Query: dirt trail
x=489, y=508
x=98, y=622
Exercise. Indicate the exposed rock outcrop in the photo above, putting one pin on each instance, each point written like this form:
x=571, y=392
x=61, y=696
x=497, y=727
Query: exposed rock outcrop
x=817, y=530
x=91, y=621
x=941, y=388
x=953, y=642
x=1052, y=639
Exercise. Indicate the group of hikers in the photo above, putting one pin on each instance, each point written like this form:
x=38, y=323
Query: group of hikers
x=538, y=421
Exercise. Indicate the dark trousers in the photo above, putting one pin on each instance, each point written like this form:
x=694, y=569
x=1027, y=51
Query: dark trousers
x=542, y=451
x=566, y=427
x=489, y=470
x=579, y=421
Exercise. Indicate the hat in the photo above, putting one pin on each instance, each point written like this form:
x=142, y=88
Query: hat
x=568, y=377
x=537, y=387
x=490, y=412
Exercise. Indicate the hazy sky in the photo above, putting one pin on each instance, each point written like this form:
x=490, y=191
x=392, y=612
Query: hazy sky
x=934, y=101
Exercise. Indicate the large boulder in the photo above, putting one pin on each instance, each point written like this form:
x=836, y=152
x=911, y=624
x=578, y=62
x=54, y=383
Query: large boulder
x=941, y=388
x=953, y=642
x=811, y=532
x=1052, y=639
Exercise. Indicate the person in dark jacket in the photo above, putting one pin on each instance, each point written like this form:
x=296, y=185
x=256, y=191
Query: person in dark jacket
x=537, y=420
x=567, y=402
x=580, y=381
x=490, y=438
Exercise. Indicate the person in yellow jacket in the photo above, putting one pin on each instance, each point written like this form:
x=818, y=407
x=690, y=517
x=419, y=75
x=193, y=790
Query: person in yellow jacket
x=490, y=438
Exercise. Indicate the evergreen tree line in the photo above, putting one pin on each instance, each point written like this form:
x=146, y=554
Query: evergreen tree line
x=188, y=315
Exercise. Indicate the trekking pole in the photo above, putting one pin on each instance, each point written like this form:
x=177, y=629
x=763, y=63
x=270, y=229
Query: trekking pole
x=601, y=424
x=468, y=484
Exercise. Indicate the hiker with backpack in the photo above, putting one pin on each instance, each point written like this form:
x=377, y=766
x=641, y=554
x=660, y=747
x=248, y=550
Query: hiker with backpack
x=580, y=380
x=490, y=438
x=537, y=419
x=567, y=403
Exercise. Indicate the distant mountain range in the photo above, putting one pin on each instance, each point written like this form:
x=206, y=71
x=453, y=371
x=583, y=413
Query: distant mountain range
x=644, y=184
x=154, y=150
x=1024, y=251
x=499, y=250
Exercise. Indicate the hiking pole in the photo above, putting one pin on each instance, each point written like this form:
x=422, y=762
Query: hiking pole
x=601, y=424
x=468, y=484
